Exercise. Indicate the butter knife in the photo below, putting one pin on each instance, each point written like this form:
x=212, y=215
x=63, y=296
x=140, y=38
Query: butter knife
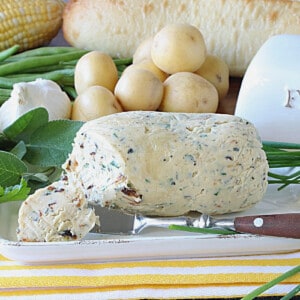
x=280, y=225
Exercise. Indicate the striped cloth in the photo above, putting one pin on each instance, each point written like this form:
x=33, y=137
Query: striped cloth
x=169, y=279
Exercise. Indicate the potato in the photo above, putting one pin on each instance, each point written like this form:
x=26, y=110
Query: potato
x=148, y=64
x=143, y=51
x=178, y=48
x=190, y=93
x=139, y=89
x=95, y=68
x=94, y=102
x=216, y=71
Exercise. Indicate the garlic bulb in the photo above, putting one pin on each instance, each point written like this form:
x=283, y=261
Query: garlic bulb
x=26, y=96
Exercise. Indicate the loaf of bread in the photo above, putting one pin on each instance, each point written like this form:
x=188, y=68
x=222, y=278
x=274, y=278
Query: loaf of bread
x=167, y=164
x=234, y=30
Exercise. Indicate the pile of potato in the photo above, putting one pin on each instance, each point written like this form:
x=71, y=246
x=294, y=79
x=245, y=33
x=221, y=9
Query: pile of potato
x=171, y=72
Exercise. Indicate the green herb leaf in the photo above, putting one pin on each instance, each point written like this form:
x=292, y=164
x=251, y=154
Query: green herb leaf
x=5, y=143
x=38, y=177
x=24, y=126
x=51, y=143
x=11, y=169
x=14, y=193
x=19, y=150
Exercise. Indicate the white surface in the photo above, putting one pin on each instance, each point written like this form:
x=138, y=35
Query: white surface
x=152, y=244
x=270, y=80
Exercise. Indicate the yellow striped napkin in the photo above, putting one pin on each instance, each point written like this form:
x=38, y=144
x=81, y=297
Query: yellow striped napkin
x=172, y=279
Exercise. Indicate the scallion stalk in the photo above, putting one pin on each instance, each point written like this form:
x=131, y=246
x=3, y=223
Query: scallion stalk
x=202, y=230
x=271, y=283
x=292, y=293
x=282, y=155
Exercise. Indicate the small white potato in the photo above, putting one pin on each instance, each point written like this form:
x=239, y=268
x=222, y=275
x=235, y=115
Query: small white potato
x=216, y=71
x=178, y=48
x=94, y=102
x=95, y=68
x=190, y=93
x=148, y=64
x=143, y=51
x=139, y=89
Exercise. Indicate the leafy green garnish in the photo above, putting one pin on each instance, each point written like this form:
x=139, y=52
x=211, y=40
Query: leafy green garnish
x=15, y=192
x=51, y=143
x=32, y=150
x=19, y=150
x=11, y=169
x=23, y=128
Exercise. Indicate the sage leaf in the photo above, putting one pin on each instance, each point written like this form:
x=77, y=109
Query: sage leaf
x=19, y=150
x=43, y=178
x=24, y=126
x=5, y=143
x=14, y=193
x=51, y=143
x=11, y=169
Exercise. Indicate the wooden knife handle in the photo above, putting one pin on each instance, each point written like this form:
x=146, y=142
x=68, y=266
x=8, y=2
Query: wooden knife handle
x=282, y=225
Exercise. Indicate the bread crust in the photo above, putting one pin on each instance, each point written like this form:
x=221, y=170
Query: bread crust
x=233, y=29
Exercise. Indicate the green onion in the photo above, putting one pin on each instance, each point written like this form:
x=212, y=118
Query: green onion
x=282, y=155
x=202, y=230
x=292, y=293
x=280, y=145
x=271, y=283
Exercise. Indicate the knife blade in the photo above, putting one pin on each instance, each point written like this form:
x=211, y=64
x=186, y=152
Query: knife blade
x=281, y=225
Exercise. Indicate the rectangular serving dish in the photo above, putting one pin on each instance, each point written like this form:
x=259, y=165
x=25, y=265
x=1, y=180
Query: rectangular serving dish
x=152, y=243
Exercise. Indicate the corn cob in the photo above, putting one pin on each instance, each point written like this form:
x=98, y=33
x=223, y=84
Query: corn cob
x=29, y=23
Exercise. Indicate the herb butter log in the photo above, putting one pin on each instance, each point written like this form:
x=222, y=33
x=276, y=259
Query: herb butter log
x=167, y=164
x=55, y=213
x=233, y=30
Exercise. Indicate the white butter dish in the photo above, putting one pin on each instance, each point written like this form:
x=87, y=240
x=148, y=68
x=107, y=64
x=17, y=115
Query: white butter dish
x=269, y=96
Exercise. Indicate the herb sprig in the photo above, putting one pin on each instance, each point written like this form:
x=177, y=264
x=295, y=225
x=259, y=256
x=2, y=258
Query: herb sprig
x=31, y=153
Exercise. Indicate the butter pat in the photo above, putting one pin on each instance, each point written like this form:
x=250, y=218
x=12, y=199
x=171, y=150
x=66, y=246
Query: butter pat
x=270, y=92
